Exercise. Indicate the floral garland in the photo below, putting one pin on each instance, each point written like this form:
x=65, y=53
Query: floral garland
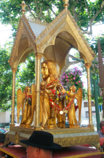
x=59, y=109
x=51, y=82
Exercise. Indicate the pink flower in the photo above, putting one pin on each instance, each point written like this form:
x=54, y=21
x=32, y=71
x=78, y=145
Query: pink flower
x=76, y=82
x=74, y=78
x=79, y=81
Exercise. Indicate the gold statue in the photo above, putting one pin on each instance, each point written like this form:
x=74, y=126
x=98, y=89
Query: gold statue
x=55, y=102
x=27, y=100
x=50, y=74
x=20, y=102
x=78, y=96
x=71, y=112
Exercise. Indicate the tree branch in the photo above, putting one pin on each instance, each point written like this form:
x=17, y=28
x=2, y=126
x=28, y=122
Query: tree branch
x=53, y=12
x=48, y=13
x=31, y=11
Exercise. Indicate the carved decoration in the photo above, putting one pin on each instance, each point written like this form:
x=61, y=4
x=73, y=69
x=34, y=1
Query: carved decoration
x=16, y=138
x=66, y=4
x=23, y=5
x=16, y=44
x=37, y=21
x=65, y=22
x=23, y=29
x=72, y=140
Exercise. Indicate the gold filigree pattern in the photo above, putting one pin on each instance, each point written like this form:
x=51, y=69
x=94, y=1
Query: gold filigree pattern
x=80, y=140
x=23, y=5
x=16, y=44
x=23, y=27
x=58, y=26
x=65, y=137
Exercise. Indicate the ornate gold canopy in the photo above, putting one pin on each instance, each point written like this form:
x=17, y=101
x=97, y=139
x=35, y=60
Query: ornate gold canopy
x=53, y=41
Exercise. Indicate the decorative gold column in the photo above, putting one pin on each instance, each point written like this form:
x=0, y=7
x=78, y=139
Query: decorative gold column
x=37, y=77
x=13, y=95
x=89, y=92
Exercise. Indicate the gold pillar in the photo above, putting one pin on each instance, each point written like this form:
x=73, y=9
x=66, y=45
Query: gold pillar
x=89, y=92
x=13, y=95
x=37, y=77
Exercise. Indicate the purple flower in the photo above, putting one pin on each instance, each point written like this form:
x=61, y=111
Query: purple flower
x=67, y=80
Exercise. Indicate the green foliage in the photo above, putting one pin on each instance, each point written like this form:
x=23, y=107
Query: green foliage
x=25, y=76
x=26, y=72
x=5, y=80
x=101, y=38
x=10, y=14
x=100, y=100
x=84, y=12
x=94, y=67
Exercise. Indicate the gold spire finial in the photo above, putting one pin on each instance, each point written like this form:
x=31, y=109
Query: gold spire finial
x=23, y=5
x=66, y=4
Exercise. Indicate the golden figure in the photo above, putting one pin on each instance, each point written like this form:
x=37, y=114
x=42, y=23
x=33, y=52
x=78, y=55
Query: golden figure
x=20, y=102
x=50, y=74
x=27, y=100
x=27, y=107
x=71, y=112
x=78, y=96
x=51, y=92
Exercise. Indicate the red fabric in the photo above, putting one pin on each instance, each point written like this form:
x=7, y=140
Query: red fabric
x=1, y=144
x=94, y=156
x=29, y=96
x=75, y=151
x=53, y=91
x=76, y=107
x=1, y=153
x=15, y=150
x=20, y=152
x=87, y=145
x=51, y=82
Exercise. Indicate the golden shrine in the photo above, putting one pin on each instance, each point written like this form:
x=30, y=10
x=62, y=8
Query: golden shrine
x=46, y=103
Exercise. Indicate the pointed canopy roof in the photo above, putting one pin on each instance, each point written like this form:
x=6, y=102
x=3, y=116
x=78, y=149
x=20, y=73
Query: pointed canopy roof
x=24, y=43
x=53, y=41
